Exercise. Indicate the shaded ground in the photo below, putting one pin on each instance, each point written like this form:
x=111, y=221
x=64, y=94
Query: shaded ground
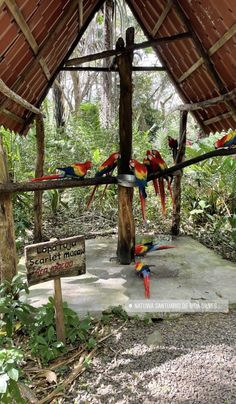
x=93, y=222
x=195, y=362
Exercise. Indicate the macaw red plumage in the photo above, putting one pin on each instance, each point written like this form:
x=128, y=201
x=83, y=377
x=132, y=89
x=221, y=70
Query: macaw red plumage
x=228, y=140
x=141, y=173
x=144, y=271
x=158, y=164
x=173, y=145
x=75, y=170
x=141, y=250
x=147, y=163
x=106, y=168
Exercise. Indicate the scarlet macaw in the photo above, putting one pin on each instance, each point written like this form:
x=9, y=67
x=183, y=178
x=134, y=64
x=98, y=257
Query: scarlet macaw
x=140, y=172
x=228, y=140
x=158, y=164
x=144, y=271
x=147, y=163
x=173, y=145
x=104, y=169
x=141, y=250
x=75, y=170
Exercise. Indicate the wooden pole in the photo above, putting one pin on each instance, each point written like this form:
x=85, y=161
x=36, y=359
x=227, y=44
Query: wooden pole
x=126, y=228
x=38, y=195
x=8, y=259
x=177, y=180
x=59, y=314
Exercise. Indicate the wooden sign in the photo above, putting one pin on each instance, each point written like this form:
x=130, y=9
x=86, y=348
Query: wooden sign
x=53, y=259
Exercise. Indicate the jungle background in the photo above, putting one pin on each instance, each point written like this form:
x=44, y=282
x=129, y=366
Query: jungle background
x=81, y=122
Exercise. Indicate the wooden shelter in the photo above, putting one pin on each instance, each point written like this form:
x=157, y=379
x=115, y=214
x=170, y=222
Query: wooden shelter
x=194, y=40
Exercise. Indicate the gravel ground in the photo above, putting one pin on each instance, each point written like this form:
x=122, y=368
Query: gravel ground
x=194, y=363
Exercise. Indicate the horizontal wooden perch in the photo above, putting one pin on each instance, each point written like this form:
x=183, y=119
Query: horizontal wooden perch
x=127, y=49
x=114, y=69
x=73, y=183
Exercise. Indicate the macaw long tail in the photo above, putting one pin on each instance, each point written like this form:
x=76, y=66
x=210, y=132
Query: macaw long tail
x=156, y=187
x=146, y=282
x=143, y=206
x=48, y=177
x=104, y=190
x=91, y=197
x=164, y=247
x=162, y=195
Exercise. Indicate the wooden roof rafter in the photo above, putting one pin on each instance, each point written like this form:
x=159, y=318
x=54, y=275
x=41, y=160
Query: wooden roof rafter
x=207, y=60
x=18, y=16
x=213, y=49
x=39, y=55
x=206, y=103
x=19, y=100
x=162, y=17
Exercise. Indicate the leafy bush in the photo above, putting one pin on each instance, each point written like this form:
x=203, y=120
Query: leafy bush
x=10, y=359
x=14, y=313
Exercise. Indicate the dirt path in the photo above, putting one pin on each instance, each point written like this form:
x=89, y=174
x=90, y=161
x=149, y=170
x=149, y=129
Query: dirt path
x=192, y=361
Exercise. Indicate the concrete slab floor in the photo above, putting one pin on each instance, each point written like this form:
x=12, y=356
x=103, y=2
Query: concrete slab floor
x=191, y=272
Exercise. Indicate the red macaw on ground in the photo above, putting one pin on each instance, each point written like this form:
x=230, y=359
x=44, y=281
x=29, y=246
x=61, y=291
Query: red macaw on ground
x=105, y=168
x=228, y=140
x=144, y=271
x=141, y=173
x=141, y=250
x=75, y=170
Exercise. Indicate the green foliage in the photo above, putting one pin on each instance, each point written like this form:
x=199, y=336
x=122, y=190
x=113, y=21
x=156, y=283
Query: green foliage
x=43, y=340
x=14, y=313
x=10, y=359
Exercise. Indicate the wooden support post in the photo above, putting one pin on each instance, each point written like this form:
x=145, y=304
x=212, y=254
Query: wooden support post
x=126, y=228
x=59, y=314
x=8, y=259
x=177, y=179
x=38, y=195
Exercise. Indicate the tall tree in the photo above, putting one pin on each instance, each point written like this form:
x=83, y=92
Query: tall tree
x=59, y=104
x=107, y=110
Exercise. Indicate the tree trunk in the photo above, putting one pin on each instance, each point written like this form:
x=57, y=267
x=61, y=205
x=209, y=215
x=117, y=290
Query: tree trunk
x=106, y=113
x=8, y=259
x=59, y=104
x=38, y=195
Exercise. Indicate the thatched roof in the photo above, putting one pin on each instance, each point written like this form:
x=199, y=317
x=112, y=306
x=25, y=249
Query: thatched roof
x=37, y=37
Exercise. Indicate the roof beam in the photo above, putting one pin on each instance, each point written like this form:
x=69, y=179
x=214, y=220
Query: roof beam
x=80, y=8
x=162, y=17
x=11, y=115
x=206, y=103
x=218, y=118
x=214, y=48
x=16, y=13
x=18, y=99
x=127, y=49
x=114, y=69
x=51, y=38
x=206, y=58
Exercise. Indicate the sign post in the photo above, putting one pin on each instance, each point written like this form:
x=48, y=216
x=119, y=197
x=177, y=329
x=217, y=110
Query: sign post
x=53, y=260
